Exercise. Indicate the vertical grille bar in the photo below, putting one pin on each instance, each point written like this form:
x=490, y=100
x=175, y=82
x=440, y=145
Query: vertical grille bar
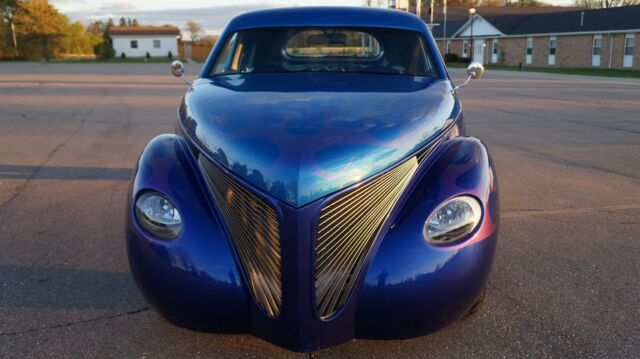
x=346, y=230
x=254, y=228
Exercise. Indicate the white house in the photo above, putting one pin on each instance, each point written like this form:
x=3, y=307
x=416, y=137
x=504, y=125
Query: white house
x=136, y=41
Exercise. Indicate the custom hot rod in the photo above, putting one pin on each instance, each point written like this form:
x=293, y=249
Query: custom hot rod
x=320, y=185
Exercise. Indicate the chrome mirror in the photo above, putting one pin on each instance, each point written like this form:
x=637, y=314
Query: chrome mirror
x=474, y=71
x=177, y=69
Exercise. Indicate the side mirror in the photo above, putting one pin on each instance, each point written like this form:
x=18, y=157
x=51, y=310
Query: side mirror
x=177, y=69
x=474, y=71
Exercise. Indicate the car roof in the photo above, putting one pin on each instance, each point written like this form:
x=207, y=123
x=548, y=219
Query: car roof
x=328, y=16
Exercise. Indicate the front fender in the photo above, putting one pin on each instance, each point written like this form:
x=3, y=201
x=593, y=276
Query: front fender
x=192, y=281
x=412, y=287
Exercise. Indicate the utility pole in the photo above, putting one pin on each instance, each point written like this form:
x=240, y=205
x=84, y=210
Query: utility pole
x=444, y=30
x=431, y=13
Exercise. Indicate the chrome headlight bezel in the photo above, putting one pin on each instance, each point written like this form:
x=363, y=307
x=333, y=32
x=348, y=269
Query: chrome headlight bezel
x=167, y=228
x=451, y=233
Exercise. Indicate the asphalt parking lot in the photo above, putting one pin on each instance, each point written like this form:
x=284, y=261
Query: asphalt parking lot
x=566, y=281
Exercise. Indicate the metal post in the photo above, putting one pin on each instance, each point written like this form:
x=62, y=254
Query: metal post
x=472, y=12
x=611, y=49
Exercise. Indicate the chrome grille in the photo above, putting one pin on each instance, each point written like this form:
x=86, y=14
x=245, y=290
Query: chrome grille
x=254, y=228
x=346, y=230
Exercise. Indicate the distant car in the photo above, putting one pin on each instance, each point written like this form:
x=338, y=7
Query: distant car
x=320, y=186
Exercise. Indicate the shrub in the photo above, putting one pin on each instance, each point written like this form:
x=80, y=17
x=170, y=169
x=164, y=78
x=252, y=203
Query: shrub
x=170, y=55
x=123, y=56
x=465, y=60
x=104, y=50
x=147, y=56
x=451, y=58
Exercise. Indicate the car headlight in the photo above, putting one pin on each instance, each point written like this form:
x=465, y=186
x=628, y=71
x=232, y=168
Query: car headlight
x=158, y=215
x=453, y=220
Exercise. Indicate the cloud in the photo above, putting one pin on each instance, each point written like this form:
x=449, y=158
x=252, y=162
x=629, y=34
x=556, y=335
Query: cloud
x=213, y=18
x=117, y=7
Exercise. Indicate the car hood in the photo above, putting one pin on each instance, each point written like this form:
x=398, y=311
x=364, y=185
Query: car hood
x=301, y=136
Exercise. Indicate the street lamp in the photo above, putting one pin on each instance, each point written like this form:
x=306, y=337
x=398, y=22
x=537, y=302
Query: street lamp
x=472, y=11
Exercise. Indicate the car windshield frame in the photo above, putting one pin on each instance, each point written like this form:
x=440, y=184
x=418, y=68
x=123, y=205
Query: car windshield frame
x=226, y=61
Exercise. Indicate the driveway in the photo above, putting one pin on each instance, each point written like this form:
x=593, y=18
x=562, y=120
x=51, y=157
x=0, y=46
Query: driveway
x=566, y=281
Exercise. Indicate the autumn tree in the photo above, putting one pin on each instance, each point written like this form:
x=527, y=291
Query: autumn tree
x=77, y=40
x=37, y=20
x=195, y=29
x=208, y=40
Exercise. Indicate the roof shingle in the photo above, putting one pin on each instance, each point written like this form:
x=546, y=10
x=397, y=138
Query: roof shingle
x=144, y=30
x=598, y=20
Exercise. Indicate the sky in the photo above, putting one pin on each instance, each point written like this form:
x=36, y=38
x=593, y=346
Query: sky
x=213, y=14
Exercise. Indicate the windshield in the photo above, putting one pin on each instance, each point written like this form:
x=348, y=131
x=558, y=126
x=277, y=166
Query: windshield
x=328, y=49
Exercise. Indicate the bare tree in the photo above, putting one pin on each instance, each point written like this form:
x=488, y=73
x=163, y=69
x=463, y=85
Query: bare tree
x=195, y=29
x=375, y=3
x=601, y=4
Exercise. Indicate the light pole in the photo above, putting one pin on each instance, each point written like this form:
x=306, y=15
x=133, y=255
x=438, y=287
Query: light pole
x=472, y=11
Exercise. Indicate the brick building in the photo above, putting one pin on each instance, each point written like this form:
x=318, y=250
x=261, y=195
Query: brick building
x=607, y=38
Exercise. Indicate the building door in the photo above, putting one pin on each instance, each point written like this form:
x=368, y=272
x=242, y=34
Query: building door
x=529, y=51
x=478, y=51
x=552, y=51
x=494, y=51
x=597, y=49
x=629, y=43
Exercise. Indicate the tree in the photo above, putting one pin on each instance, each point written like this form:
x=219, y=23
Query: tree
x=135, y=23
x=208, y=40
x=38, y=20
x=77, y=40
x=527, y=3
x=8, y=8
x=122, y=22
x=195, y=29
x=598, y=4
x=96, y=28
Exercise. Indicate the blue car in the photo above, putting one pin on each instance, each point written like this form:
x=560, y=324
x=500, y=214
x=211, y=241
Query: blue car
x=320, y=186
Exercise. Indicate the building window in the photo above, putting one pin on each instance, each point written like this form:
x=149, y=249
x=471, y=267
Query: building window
x=597, y=45
x=156, y=44
x=465, y=44
x=448, y=49
x=629, y=43
x=134, y=44
x=552, y=45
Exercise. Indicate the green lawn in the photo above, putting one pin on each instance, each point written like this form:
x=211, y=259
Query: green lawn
x=562, y=70
x=199, y=60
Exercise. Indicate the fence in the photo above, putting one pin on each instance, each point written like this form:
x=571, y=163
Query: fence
x=194, y=51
